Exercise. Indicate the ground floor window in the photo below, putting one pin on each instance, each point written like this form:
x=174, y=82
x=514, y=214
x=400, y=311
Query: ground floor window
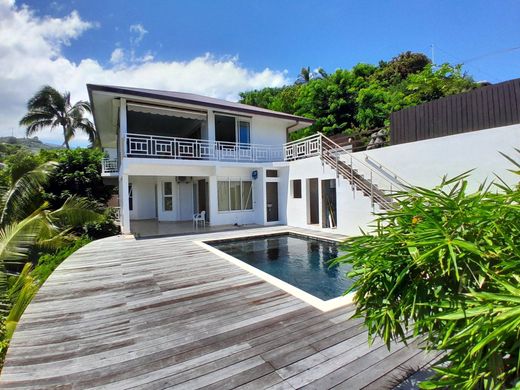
x=234, y=194
x=167, y=196
x=296, y=188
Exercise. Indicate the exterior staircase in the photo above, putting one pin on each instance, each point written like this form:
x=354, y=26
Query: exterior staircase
x=371, y=182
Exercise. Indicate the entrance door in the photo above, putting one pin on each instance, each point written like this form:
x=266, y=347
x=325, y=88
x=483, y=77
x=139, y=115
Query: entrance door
x=313, y=204
x=328, y=201
x=271, y=189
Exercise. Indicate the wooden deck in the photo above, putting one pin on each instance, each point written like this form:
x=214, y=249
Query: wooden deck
x=166, y=313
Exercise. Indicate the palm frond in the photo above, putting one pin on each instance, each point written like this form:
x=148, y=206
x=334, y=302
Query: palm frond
x=21, y=294
x=24, y=197
x=82, y=106
x=17, y=238
x=75, y=211
x=46, y=97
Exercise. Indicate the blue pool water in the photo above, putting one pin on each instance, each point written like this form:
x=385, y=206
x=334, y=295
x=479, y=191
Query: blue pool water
x=299, y=261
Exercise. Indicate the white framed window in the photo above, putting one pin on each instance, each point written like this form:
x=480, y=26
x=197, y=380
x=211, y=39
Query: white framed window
x=244, y=131
x=234, y=194
x=168, y=196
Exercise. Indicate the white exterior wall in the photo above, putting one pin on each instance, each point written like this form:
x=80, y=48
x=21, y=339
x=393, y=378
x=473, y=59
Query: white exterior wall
x=268, y=131
x=424, y=163
x=143, y=190
x=354, y=210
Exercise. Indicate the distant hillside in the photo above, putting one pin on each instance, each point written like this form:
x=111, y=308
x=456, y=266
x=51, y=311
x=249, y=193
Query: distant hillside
x=34, y=144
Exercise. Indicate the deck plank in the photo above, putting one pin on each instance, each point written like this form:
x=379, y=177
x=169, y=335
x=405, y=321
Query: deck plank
x=165, y=312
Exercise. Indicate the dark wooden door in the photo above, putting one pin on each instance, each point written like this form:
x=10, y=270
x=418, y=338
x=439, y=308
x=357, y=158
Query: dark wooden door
x=314, y=204
x=202, y=197
x=271, y=189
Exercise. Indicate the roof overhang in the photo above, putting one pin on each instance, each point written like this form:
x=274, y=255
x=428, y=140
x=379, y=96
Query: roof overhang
x=102, y=98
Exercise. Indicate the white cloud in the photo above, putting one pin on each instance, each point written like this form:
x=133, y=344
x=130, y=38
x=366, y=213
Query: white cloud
x=31, y=56
x=139, y=31
x=117, y=56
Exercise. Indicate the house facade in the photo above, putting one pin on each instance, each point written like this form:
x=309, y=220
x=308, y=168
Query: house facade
x=173, y=155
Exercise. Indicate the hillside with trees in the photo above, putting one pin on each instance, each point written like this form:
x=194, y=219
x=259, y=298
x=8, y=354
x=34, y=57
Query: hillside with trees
x=359, y=100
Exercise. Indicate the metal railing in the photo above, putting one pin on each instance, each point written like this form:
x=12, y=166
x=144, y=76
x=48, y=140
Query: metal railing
x=372, y=182
x=109, y=165
x=391, y=175
x=138, y=145
x=361, y=176
x=303, y=148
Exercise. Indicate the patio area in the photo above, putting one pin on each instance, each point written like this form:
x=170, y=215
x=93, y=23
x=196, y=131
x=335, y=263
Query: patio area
x=148, y=228
x=167, y=313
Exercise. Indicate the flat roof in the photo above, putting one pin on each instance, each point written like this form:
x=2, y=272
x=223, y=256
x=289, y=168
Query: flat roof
x=190, y=98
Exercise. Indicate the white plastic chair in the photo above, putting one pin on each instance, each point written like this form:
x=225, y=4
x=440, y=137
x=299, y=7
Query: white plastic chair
x=200, y=217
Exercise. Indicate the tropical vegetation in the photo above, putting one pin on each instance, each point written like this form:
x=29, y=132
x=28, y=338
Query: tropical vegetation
x=51, y=204
x=49, y=108
x=357, y=100
x=28, y=224
x=444, y=264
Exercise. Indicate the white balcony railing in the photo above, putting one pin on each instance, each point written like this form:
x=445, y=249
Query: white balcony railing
x=138, y=145
x=303, y=148
x=109, y=166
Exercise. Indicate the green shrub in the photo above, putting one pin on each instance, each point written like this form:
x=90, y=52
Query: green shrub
x=104, y=227
x=445, y=263
x=78, y=173
x=48, y=263
x=4, y=341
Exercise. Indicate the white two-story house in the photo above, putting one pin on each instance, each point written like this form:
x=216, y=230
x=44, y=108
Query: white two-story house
x=177, y=154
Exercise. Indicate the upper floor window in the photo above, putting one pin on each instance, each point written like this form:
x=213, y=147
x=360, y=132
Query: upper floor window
x=232, y=129
x=244, y=132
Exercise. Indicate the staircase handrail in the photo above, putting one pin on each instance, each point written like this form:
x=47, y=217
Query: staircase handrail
x=352, y=157
x=387, y=171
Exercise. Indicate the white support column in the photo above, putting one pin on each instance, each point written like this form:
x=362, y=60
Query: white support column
x=123, y=128
x=124, y=207
x=213, y=200
x=211, y=126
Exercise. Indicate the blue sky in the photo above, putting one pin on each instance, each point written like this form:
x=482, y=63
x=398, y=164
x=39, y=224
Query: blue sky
x=220, y=48
x=291, y=34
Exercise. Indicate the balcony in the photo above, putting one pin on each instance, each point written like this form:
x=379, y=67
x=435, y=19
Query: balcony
x=160, y=147
x=109, y=167
x=146, y=146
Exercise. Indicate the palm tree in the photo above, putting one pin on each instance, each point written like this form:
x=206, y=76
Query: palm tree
x=50, y=108
x=305, y=76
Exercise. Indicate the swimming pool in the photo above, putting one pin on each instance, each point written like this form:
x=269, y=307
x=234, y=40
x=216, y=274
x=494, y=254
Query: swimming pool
x=297, y=260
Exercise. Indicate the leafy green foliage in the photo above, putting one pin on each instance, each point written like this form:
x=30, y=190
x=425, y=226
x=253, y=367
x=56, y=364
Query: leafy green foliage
x=19, y=163
x=445, y=263
x=104, y=227
x=49, y=262
x=362, y=98
x=78, y=173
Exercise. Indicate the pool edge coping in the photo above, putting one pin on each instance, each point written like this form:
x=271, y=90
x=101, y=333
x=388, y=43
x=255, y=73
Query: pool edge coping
x=324, y=306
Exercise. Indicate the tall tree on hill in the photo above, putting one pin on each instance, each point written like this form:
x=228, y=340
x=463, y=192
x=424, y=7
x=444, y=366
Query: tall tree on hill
x=50, y=108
